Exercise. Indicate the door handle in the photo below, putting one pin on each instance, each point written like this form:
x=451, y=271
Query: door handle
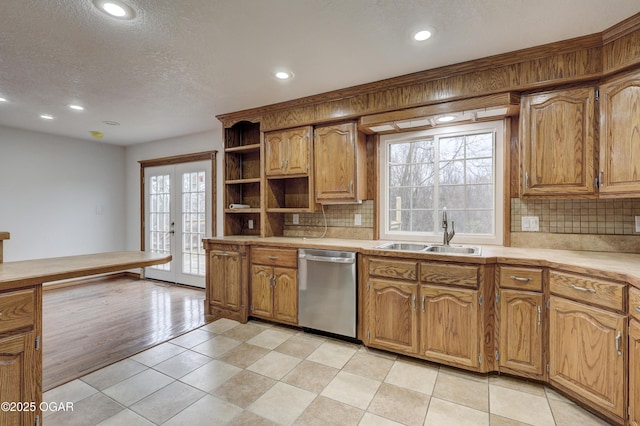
x=414, y=303
x=423, y=303
x=539, y=318
x=618, y=338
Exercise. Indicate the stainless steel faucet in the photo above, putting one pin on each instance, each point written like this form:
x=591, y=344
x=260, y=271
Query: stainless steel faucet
x=448, y=236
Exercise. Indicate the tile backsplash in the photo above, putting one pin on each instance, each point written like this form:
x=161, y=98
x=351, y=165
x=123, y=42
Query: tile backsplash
x=338, y=215
x=600, y=217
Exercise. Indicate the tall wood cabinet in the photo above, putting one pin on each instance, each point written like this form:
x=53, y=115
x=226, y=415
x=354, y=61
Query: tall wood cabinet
x=634, y=356
x=557, y=131
x=521, y=321
x=227, y=281
x=620, y=136
x=339, y=164
x=20, y=354
x=587, y=344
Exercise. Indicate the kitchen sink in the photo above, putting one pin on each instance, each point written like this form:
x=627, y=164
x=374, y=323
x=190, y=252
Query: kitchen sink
x=403, y=246
x=432, y=248
x=469, y=250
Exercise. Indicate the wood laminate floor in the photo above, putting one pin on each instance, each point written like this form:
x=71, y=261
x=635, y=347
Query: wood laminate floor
x=92, y=325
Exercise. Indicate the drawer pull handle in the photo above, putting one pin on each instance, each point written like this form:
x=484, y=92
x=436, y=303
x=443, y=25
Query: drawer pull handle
x=526, y=280
x=618, y=338
x=586, y=290
x=273, y=257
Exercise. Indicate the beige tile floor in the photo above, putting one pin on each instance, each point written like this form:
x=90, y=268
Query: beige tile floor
x=261, y=374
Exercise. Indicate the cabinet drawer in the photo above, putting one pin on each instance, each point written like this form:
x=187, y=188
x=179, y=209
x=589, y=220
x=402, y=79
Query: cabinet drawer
x=591, y=290
x=451, y=274
x=17, y=310
x=274, y=257
x=521, y=278
x=393, y=268
x=634, y=303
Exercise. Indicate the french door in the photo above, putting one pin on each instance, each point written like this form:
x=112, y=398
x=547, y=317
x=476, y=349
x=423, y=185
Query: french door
x=177, y=217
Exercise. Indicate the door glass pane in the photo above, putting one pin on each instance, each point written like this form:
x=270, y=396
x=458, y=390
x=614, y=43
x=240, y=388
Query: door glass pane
x=160, y=217
x=193, y=222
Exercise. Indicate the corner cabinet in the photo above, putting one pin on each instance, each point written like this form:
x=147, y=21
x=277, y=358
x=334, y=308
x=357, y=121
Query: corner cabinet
x=339, y=164
x=557, y=131
x=227, y=281
x=620, y=136
x=20, y=355
x=242, y=191
x=588, y=344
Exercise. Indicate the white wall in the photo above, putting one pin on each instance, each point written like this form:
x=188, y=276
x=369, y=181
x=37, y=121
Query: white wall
x=60, y=196
x=190, y=144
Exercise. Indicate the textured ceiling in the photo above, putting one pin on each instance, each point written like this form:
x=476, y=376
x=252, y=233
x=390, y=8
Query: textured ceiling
x=175, y=66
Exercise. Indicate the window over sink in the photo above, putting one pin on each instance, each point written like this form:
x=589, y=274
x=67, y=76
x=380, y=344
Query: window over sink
x=457, y=167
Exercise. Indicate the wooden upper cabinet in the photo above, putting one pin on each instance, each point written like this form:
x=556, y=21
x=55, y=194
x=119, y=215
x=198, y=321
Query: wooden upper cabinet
x=557, y=143
x=340, y=164
x=287, y=152
x=620, y=136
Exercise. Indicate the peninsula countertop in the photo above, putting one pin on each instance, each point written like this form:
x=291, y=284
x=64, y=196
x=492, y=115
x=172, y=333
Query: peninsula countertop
x=14, y=275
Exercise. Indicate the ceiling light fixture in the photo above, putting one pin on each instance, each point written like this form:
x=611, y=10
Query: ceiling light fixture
x=445, y=118
x=284, y=75
x=115, y=9
x=76, y=107
x=46, y=116
x=422, y=35
x=3, y=100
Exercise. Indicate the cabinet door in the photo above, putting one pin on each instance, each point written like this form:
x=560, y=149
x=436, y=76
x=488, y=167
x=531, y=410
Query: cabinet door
x=634, y=373
x=19, y=373
x=449, y=325
x=217, y=281
x=557, y=142
x=520, y=331
x=232, y=281
x=335, y=162
x=586, y=353
x=262, y=291
x=274, y=153
x=298, y=145
x=285, y=295
x=620, y=136
x=393, y=322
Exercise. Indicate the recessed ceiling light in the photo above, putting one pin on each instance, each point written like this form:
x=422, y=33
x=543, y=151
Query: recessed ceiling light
x=46, y=116
x=422, y=35
x=3, y=100
x=283, y=75
x=115, y=8
x=76, y=107
x=445, y=118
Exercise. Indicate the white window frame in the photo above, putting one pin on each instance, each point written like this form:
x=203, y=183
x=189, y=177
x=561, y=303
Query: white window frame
x=497, y=128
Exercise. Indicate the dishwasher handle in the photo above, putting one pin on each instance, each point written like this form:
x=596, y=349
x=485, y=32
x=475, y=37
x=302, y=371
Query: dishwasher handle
x=313, y=258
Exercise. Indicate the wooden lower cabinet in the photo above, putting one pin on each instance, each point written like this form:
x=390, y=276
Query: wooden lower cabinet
x=226, y=293
x=393, y=321
x=520, y=332
x=274, y=293
x=634, y=373
x=449, y=325
x=587, y=355
x=19, y=372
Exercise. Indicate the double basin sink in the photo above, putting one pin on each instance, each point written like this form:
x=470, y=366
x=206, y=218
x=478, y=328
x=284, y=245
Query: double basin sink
x=432, y=248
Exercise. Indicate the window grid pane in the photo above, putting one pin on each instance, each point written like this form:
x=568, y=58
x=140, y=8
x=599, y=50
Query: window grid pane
x=160, y=218
x=193, y=222
x=463, y=182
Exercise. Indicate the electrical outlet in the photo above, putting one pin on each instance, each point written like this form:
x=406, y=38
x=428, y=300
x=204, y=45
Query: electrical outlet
x=530, y=223
x=637, y=223
x=357, y=219
x=250, y=223
x=296, y=219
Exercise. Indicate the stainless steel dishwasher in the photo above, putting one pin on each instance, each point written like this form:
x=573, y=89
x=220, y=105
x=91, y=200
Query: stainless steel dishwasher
x=327, y=291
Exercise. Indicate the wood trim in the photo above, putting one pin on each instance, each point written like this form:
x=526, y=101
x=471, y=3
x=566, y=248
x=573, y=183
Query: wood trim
x=89, y=280
x=179, y=159
x=621, y=29
x=510, y=141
